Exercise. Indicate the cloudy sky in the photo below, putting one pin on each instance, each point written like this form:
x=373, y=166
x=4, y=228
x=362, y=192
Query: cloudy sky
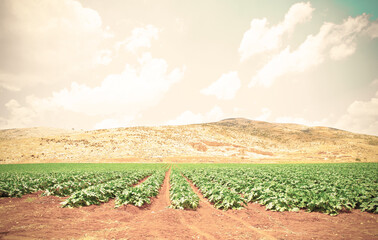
x=90, y=64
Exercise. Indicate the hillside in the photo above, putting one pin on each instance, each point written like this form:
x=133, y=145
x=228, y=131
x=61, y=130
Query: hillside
x=229, y=140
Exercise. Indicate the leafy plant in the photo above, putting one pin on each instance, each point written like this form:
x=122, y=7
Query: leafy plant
x=326, y=188
x=218, y=194
x=103, y=192
x=180, y=193
x=141, y=194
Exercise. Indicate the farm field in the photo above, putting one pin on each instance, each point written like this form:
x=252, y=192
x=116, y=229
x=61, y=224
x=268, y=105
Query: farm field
x=223, y=201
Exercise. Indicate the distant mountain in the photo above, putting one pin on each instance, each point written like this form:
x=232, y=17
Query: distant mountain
x=229, y=140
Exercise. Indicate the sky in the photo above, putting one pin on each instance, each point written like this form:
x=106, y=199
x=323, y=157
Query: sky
x=94, y=64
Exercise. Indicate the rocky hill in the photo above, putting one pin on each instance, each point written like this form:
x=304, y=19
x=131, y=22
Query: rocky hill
x=229, y=140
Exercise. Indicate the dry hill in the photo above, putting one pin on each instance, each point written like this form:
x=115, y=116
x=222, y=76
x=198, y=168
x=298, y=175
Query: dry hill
x=229, y=140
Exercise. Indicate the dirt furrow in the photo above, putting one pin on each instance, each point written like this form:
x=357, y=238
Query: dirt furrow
x=206, y=203
x=162, y=202
x=165, y=202
x=192, y=227
x=155, y=215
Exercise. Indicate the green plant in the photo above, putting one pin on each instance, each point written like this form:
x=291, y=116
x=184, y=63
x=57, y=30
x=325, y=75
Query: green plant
x=180, y=193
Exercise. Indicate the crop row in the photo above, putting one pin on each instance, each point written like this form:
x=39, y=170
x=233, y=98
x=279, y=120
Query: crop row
x=180, y=193
x=86, y=188
x=141, y=194
x=18, y=184
x=101, y=193
x=221, y=196
x=66, y=188
x=324, y=189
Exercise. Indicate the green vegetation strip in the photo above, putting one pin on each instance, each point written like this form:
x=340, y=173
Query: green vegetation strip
x=18, y=184
x=84, y=180
x=327, y=188
x=61, y=179
x=103, y=192
x=180, y=193
x=142, y=193
x=221, y=196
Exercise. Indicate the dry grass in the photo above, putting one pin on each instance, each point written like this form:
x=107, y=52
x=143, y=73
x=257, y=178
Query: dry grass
x=234, y=140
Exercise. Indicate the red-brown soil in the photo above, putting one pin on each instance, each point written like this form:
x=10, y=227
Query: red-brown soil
x=37, y=217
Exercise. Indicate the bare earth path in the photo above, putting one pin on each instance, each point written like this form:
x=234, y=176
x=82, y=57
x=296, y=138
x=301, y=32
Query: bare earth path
x=206, y=206
x=37, y=217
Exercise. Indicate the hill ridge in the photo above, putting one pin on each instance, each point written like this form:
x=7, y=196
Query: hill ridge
x=228, y=140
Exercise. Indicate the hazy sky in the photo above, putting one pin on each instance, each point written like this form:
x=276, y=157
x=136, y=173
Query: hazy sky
x=93, y=64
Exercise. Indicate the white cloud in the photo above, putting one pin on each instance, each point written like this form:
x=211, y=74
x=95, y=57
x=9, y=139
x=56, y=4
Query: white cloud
x=342, y=51
x=337, y=41
x=361, y=116
x=188, y=117
x=261, y=38
x=19, y=116
x=118, y=99
x=225, y=87
x=372, y=31
x=35, y=112
x=132, y=90
x=265, y=114
x=140, y=38
x=48, y=39
x=8, y=86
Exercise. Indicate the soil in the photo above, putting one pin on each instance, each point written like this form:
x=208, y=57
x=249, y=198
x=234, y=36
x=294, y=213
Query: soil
x=40, y=217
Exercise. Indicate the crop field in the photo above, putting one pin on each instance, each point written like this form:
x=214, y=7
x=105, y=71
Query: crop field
x=182, y=193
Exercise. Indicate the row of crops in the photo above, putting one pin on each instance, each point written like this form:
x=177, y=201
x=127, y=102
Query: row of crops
x=85, y=186
x=328, y=188
x=324, y=188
